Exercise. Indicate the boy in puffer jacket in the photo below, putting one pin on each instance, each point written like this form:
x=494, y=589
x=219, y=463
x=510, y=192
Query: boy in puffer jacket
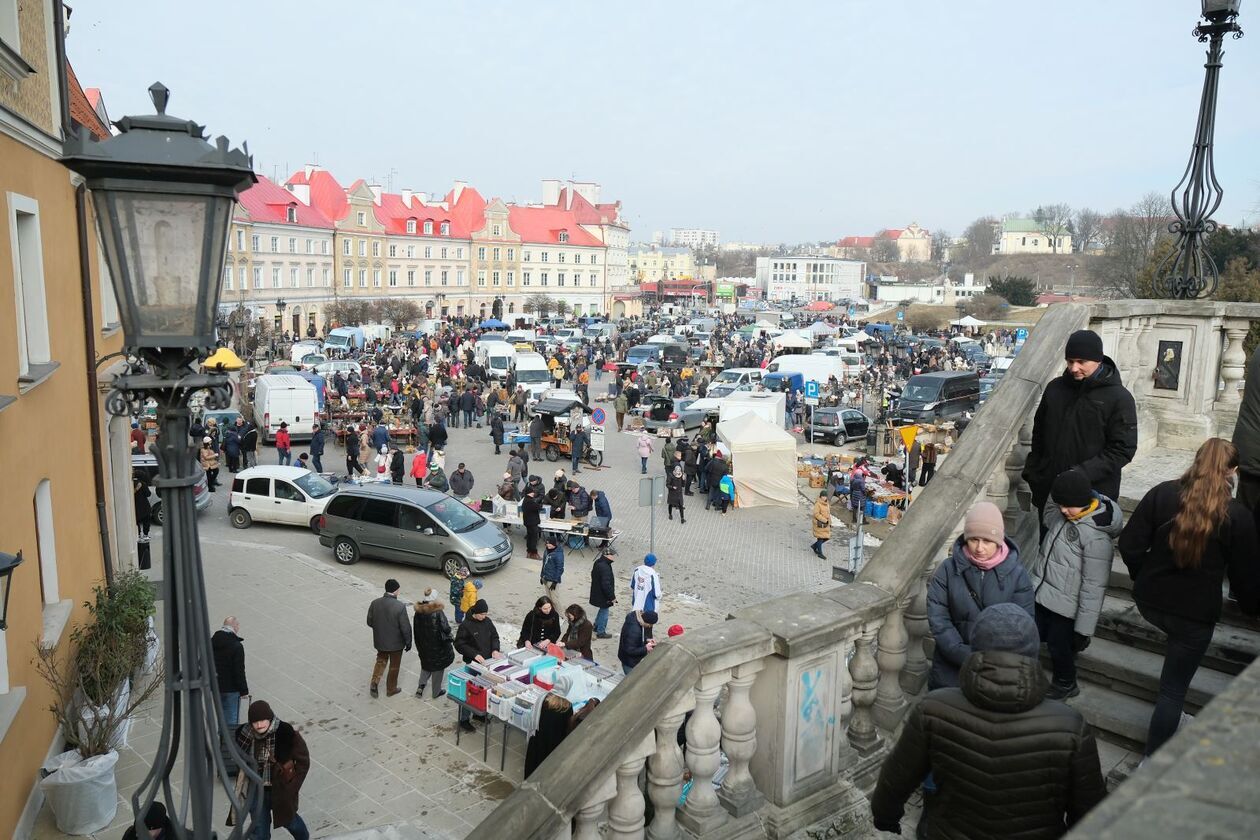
x=1071, y=573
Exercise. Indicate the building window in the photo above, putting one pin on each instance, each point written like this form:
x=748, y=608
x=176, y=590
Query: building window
x=446, y=228
x=376, y=278
x=227, y=280
x=34, y=346
x=496, y=254
x=494, y=278
x=443, y=253
x=411, y=252
x=347, y=278
x=511, y=254
x=443, y=277
x=428, y=252
x=428, y=227
x=362, y=247
x=525, y=256
x=258, y=284
x=393, y=277
x=594, y=259
x=525, y=278
x=511, y=278
x=310, y=246
x=362, y=219
x=326, y=276
x=560, y=256
x=345, y=247
x=481, y=253
x=240, y=240
x=275, y=278
x=310, y=278
x=481, y=278
x=362, y=278
x=428, y=276
x=542, y=279
x=593, y=283
x=564, y=236
x=560, y=278
x=545, y=256
x=411, y=226
x=577, y=258
x=323, y=247
x=459, y=277
x=241, y=278
x=45, y=540
x=496, y=230
x=253, y=242
x=275, y=244
x=411, y=277
x=393, y=250
x=292, y=245
x=293, y=278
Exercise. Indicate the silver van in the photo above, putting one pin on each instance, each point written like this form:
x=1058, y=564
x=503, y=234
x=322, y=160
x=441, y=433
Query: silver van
x=411, y=525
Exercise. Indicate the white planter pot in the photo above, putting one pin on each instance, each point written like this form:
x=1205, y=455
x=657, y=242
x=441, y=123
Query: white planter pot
x=88, y=714
x=82, y=793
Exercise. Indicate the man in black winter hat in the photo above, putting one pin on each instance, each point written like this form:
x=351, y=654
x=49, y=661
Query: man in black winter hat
x=1086, y=421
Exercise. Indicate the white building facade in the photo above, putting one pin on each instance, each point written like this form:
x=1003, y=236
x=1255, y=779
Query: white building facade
x=810, y=278
x=693, y=237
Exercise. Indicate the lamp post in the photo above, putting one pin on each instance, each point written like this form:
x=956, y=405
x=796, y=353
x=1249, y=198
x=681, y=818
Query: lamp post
x=1189, y=271
x=163, y=197
x=8, y=564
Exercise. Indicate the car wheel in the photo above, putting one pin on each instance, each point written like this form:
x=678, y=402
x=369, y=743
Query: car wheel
x=240, y=518
x=452, y=563
x=345, y=551
x=552, y=452
x=595, y=457
x=157, y=514
x=315, y=524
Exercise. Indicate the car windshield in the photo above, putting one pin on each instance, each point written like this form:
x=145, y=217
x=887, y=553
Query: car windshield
x=337, y=340
x=532, y=376
x=456, y=516
x=728, y=376
x=919, y=392
x=315, y=485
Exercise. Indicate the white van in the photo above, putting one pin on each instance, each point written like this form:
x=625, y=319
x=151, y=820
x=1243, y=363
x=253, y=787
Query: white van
x=498, y=357
x=274, y=493
x=375, y=332
x=734, y=379
x=287, y=398
x=532, y=373
x=301, y=349
x=818, y=368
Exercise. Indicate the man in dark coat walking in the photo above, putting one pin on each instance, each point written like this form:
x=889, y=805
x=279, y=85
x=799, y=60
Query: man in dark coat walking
x=229, y=667
x=1086, y=421
x=391, y=635
x=531, y=517
x=603, y=590
x=317, y=448
x=1014, y=764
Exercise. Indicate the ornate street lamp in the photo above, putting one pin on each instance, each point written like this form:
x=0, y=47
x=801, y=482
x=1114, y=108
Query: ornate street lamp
x=163, y=197
x=1189, y=271
x=8, y=563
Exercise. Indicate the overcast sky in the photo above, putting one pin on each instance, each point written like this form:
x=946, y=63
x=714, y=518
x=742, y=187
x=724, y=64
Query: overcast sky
x=774, y=122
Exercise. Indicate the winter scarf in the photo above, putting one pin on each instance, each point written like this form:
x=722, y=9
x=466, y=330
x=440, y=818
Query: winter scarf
x=990, y=564
x=265, y=749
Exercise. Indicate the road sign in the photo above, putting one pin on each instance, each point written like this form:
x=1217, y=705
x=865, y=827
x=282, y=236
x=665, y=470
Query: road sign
x=811, y=401
x=852, y=311
x=651, y=490
x=908, y=434
x=597, y=437
x=811, y=389
x=598, y=417
x=1021, y=334
x=901, y=314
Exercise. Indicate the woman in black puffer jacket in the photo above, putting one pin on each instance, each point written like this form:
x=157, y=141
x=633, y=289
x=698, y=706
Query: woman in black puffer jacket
x=433, y=640
x=1182, y=540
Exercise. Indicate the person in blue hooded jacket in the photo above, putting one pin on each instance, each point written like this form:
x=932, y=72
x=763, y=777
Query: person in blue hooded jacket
x=983, y=569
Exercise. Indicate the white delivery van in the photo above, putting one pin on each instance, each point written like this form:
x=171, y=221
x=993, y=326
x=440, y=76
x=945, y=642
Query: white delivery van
x=375, y=332
x=532, y=373
x=499, y=358
x=300, y=349
x=816, y=367
x=287, y=398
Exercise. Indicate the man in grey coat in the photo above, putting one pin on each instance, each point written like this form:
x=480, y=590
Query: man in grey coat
x=461, y=482
x=391, y=635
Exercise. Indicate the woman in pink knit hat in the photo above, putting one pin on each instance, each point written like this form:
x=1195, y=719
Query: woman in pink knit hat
x=983, y=569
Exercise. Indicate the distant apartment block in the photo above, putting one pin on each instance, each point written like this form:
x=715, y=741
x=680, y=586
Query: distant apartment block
x=810, y=278
x=693, y=238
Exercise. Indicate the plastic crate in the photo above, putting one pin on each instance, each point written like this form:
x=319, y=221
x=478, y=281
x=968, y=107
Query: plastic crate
x=542, y=663
x=457, y=684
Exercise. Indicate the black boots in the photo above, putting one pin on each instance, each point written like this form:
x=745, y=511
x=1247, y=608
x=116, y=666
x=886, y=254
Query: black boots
x=1059, y=691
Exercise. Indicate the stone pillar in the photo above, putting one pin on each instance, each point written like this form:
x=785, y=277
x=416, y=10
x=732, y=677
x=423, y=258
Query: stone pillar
x=890, y=701
x=665, y=776
x=739, y=794
x=865, y=672
x=914, y=673
x=702, y=813
x=586, y=820
x=625, y=812
x=1234, y=361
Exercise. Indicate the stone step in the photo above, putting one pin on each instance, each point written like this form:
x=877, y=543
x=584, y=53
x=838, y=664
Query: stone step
x=1118, y=718
x=1135, y=672
x=1121, y=585
x=1233, y=647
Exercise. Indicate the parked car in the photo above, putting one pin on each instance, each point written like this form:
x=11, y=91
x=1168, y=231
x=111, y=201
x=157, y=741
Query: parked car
x=281, y=494
x=411, y=525
x=837, y=425
x=329, y=368
x=147, y=468
x=668, y=413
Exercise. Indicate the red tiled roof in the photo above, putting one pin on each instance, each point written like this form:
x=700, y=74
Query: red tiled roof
x=856, y=242
x=891, y=233
x=82, y=110
x=327, y=195
x=267, y=201
x=393, y=213
x=543, y=225
x=585, y=212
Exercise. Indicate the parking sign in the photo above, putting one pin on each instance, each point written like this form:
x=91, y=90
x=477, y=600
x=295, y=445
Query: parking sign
x=811, y=389
x=901, y=315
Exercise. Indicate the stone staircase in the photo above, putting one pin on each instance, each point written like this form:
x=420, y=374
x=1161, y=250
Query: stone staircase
x=1119, y=672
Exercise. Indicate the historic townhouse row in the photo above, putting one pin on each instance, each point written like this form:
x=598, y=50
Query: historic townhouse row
x=311, y=242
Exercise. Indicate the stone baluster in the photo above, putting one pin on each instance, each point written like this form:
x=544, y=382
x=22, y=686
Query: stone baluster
x=998, y=488
x=864, y=670
x=1126, y=350
x=890, y=700
x=914, y=673
x=1233, y=361
x=586, y=820
x=1015, y=460
x=665, y=774
x=626, y=810
x=739, y=794
x=703, y=813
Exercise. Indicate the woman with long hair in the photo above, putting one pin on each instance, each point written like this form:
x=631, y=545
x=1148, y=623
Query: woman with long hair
x=1184, y=537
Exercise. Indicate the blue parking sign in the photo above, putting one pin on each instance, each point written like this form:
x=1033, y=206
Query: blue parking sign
x=811, y=389
x=1021, y=333
x=901, y=315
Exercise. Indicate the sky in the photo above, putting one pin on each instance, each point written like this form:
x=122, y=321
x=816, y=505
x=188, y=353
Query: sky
x=770, y=122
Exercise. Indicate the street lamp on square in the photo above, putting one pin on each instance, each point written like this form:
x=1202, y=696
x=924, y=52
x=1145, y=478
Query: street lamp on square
x=163, y=197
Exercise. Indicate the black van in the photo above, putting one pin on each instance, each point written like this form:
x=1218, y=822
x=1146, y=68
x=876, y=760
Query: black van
x=668, y=356
x=944, y=395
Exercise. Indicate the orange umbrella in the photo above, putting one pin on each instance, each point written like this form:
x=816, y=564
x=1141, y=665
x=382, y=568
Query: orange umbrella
x=820, y=306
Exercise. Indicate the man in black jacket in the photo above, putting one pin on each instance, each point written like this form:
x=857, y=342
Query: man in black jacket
x=531, y=516
x=476, y=640
x=229, y=666
x=1005, y=762
x=1087, y=421
x=317, y=448
x=603, y=590
x=636, y=639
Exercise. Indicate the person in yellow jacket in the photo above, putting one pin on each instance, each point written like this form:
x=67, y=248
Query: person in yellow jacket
x=472, y=592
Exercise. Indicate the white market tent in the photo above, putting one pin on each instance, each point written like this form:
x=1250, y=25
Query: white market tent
x=819, y=328
x=792, y=340
x=968, y=321
x=764, y=461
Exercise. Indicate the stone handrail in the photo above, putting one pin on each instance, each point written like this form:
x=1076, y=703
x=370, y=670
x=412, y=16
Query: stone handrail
x=804, y=684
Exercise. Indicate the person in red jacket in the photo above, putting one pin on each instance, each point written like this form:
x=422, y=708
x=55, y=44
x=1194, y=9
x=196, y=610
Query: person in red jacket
x=283, y=446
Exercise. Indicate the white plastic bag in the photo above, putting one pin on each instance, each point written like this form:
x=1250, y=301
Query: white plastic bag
x=82, y=793
x=150, y=649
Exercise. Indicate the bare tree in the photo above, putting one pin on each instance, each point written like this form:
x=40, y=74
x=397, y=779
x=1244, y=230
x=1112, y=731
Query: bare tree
x=1087, y=226
x=885, y=250
x=397, y=311
x=350, y=311
x=978, y=244
x=1055, y=221
x=1131, y=243
x=940, y=245
x=539, y=304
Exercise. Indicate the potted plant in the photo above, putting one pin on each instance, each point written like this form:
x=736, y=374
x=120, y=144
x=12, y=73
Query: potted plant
x=94, y=698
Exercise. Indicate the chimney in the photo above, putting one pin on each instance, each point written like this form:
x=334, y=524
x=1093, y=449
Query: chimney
x=309, y=169
x=457, y=190
x=376, y=193
x=586, y=189
x=406, y=198
x=550, y=191
x=302, y=192
x=422, y=197
x=568, y=197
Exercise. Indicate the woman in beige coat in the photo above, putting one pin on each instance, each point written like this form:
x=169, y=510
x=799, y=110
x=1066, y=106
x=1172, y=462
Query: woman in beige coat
x=821, y=523
x=210, y=463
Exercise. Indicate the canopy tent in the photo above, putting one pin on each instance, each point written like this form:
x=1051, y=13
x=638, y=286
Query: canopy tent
x=792, y=341
x=820, y=306
x=822, y=328
x=968, y=321
x=763, y=459
x=763, y=324
x=492, y=324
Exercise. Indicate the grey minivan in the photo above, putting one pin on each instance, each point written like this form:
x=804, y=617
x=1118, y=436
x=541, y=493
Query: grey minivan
x=411, y=525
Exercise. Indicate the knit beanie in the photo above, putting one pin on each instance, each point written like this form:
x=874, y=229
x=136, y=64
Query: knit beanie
x=984, y=520
x=480, y=607
x=1071, y=489
x=649, y=560
x=1006, y=627
x=650, y=617
x=392, y=585
x=1084, y=344
x=260, y=710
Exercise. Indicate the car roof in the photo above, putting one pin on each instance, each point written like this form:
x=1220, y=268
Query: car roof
x=416, y=495
x=945, y=374
x=272, y=471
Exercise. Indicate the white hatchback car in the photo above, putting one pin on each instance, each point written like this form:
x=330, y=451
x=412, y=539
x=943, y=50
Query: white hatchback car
x=281, y=494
